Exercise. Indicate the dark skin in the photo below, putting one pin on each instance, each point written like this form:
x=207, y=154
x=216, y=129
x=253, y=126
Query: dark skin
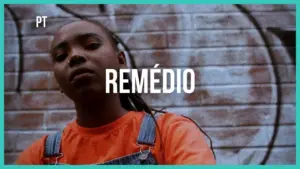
x=79, y=45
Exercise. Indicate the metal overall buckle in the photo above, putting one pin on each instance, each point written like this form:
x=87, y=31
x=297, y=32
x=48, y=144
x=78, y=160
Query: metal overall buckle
x=56, y=158
x=144, y=155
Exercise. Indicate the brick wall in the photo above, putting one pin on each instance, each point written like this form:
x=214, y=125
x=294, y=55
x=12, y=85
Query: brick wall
x=235, y=96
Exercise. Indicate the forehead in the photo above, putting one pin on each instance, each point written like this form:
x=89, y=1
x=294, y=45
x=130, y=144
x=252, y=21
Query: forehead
x=77, y=28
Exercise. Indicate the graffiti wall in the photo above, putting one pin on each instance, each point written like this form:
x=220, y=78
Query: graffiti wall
x=243, y=57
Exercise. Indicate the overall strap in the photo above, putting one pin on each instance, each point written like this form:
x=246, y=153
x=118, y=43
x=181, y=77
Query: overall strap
x=147, y=131
x=52, y=145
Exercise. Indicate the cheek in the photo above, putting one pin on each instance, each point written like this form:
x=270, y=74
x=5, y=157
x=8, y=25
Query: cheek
x=105, y=58
x=59, y=76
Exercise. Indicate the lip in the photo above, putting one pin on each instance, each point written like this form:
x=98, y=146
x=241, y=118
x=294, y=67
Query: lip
x=79, y=71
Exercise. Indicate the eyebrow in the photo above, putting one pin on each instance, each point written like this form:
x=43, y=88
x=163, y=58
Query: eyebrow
x=64, y=43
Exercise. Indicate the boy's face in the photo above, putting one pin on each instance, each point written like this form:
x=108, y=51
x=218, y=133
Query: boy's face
x=81, y=51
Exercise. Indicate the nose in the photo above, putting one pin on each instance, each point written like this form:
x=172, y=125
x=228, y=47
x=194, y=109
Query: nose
x=76, y=60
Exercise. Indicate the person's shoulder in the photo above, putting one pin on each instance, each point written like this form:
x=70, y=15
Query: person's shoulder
x=169, y=118
x=166, y=120
x=33, y=153
x=169, y=121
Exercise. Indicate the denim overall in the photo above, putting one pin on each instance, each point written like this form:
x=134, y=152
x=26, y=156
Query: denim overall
x=146, y=137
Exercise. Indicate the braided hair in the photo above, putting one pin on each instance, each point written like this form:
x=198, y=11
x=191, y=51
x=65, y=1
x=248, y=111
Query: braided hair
x=133, y=101
x=130, y=101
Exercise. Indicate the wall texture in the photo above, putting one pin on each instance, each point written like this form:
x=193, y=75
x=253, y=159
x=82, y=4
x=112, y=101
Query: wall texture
x=236, y=93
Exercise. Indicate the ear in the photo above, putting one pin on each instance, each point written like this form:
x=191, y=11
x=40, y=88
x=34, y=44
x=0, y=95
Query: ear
x=122, y=59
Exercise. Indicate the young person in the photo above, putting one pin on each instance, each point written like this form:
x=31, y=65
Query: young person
x=109, y=128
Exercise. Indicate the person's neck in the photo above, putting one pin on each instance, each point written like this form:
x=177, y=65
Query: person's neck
x=96, y=112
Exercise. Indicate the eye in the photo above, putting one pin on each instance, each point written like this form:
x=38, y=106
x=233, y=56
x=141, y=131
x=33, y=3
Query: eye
x=60, y=57
x=92, y=46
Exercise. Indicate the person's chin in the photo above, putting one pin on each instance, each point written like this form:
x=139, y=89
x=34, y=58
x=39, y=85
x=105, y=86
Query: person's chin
x=87, y=87
x=91, y=89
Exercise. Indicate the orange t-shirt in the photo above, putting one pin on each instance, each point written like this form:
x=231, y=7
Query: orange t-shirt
x=179, y=142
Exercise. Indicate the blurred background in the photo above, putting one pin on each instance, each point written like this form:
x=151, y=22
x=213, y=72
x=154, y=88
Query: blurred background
x=243, y=57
